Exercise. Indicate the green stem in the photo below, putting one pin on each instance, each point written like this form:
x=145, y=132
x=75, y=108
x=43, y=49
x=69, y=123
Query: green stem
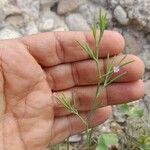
x=84, y=122
x=88, y=141
x=89, y=131
x=67, y=143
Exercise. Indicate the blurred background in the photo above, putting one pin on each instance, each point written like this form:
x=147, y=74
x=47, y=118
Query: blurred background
x=129, y=17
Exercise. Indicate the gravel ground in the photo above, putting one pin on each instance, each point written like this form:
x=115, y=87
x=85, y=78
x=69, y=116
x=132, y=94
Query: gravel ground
x=129, y=17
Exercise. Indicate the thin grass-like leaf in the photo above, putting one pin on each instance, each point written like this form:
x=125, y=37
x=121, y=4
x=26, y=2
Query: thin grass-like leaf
x=116, y=78
x=102, y=22
x=126, y=63
x=91, y=54
x=87, y=49
x=94, y=28
x=108, y=69
x=66, y=102
x=122, y=60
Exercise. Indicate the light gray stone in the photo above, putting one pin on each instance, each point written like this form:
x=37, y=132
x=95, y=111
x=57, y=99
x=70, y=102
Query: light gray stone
x=66, y=6
x=131, y=44
x=2, y=24
x=3, y=2
x=113, y=3
x=46, y=25
x=119, y=117
x=11, y=10
x=23, y=4
x=139, y=15
x=148, y=38
x=31, y=28
x=16, y=21
x=30, y=8
x=58, y=21
x=75, y=138
x=101, y=2
x=121, y=15
x=145, y=56
x=76, y=22
x=147, y=95
x=8, y=33
x=89, y=10
x=48, y=3
x=7, y=9
x=126, y=2
x=60, y=29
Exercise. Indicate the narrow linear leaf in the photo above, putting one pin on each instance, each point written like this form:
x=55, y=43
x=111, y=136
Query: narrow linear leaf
x=126, y=63
x=116, y=78
x=87, y=49
x=122, y=60
x=102, y=22
x=94, y=28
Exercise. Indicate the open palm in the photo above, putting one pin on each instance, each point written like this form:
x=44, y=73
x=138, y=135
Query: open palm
x=34, y=67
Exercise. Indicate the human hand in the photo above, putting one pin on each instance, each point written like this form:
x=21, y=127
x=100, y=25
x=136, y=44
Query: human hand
x=34, y=67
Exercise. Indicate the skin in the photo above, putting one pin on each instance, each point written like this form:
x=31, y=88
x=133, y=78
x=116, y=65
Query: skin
x=34, y=67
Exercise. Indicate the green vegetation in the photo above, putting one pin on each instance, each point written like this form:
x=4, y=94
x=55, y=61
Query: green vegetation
x=106, y=141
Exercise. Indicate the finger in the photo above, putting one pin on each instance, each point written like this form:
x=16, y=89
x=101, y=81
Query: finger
x=65, y=76
x=68, y=125
x=59, y=47
x=117, y=93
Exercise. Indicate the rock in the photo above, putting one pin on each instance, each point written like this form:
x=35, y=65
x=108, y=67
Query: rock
x=119, y=30
x=89, y=10
x=147, y=95
x=65, y=6
x=48, y=3
x=101, y=2
x=113, y=3
x=9, y=33
x=58, y=22
x=131, y=44
x=2, y=24
x=29, y=7
x=118, y=116
x=12, y=10
x=148, y=38
x=47, y=25
x=105, y=129
x=60, y=29
x=121, y=15
x=7, y=9
x=35, y=8
x=76, y=22
x=115, y=127
x=31, y=28
x=23, y=4
x=16, y=21
x=3, y=5
x=75, y=138
x=3, y=2
x=145, y=56
x=127, y=3
x=139, y=15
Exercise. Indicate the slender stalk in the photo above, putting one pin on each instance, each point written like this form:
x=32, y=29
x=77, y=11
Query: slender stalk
x=89, y=131
x=84, y=122
x=67, y=143
x=107, y=77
